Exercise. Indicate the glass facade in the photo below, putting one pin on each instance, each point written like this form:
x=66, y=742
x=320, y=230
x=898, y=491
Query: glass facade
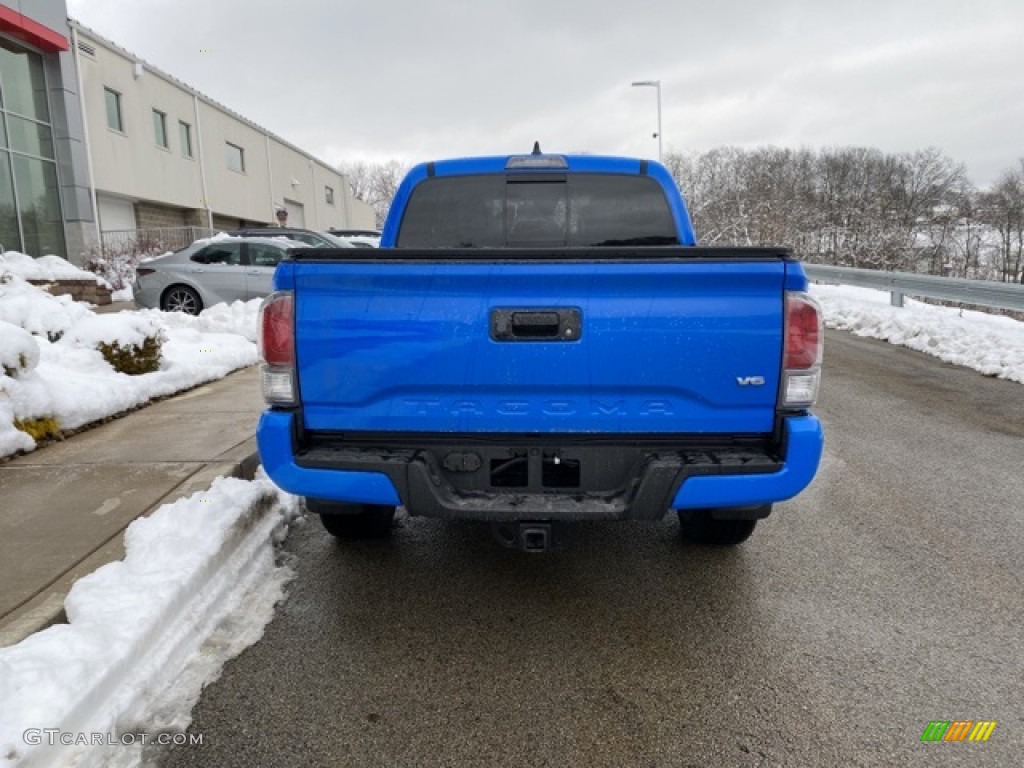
x=30, y=210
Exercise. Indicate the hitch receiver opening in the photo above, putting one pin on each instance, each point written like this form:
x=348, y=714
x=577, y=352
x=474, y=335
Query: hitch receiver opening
x=533, y=537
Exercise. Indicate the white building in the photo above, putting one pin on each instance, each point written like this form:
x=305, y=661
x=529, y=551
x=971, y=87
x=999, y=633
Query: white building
x=99, y=146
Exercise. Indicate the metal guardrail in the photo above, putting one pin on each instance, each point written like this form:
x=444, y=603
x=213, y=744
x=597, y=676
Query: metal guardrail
x=983, y=293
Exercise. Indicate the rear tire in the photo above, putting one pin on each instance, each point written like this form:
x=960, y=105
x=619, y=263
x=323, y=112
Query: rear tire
x=698, y=526
x=353, y=521
x=181, y=298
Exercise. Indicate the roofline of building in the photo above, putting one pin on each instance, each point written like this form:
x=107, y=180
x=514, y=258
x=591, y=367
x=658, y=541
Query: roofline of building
x=111, y=45
x=30, y=31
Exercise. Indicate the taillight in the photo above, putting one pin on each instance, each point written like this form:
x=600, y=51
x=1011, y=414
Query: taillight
x=802, y=351
x=277, y=348
x=803, y=332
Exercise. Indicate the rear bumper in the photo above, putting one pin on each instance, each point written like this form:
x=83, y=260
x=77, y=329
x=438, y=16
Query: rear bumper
x=275, y=439
x=804, y=442
x=665, y=479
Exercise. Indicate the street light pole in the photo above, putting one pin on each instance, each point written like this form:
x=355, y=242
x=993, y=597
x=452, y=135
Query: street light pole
x=656, y=84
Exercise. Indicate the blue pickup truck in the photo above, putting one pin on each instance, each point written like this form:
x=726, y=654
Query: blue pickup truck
x=540, y=340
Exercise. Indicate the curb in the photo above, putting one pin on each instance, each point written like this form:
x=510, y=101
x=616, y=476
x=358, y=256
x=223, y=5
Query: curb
x=47, y=607
x=127, y=659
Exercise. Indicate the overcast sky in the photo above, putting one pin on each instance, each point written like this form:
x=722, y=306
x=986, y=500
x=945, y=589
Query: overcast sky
x=419, y=80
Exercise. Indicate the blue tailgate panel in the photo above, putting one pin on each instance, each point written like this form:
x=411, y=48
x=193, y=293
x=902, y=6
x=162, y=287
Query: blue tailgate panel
x=665, y=347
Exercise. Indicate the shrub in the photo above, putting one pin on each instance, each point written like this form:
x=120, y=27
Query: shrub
x=116, y=262
x=44, y=428
x=134, y=359
x=131, y=343
x=118, y=269
x=16, y=366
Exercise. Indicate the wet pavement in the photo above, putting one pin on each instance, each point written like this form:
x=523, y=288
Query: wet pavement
x=886, y=596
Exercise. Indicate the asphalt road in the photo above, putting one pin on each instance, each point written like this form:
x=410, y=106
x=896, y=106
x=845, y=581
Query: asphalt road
x=886, y=596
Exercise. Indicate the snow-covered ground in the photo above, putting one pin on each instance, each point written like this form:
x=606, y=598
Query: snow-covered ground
x=987, y=343
x=197, y=586
x=44, y=268
x=50, y=365
x=199, y=579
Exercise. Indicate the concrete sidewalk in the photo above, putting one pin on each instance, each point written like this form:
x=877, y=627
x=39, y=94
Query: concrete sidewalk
x=64, y=508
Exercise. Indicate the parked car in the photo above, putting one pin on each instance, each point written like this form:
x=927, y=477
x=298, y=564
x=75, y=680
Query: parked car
x=357, y=243
x=211, y=271
x=307, y=236
x=361, y=238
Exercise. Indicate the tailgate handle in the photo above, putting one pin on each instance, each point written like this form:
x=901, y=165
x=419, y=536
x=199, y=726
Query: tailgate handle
x=535, y=323
x=544, y=324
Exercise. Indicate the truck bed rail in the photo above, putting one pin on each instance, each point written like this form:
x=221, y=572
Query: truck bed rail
x=656, y=253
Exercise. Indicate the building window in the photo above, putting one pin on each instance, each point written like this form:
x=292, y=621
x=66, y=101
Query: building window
x=29, y=137
x=160, y=128
x=42, y=227
x=114, y=119
x=329, y=195
x=236, y=158
x=31, y=220
x=24, y=84
x=185, y=132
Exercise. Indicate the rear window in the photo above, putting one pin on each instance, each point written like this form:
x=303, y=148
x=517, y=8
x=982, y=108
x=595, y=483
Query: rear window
x=538, y=210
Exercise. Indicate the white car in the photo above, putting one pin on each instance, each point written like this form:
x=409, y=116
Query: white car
x=223, y=269
x=360, y=238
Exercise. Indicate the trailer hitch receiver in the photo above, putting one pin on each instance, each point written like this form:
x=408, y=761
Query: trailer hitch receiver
x=530, y=536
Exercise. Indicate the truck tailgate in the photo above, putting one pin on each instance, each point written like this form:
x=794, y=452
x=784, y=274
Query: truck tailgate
x=685, y=347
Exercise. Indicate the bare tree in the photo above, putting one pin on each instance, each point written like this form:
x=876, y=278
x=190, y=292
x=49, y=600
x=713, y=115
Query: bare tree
x=924, y=184
x=1004, y=212
x=375, y=183
x=853, y=206
x=846, y=205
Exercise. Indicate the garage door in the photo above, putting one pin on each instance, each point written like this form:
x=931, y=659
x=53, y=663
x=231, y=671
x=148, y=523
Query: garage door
x=296, y=214
x=116, y=214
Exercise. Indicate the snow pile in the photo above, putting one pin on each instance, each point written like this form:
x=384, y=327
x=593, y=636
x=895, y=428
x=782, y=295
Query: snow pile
x=23, y=396
x=240, y=318
x=35, y=310
x=19, y=357
x=125, y=294
x=990, y=344
x=45, y=268
x=73, y=384
x=199, y=577
x=19, y=353
x=127, y=330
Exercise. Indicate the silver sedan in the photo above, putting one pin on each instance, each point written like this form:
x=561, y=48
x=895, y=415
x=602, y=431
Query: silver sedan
x=208, y=272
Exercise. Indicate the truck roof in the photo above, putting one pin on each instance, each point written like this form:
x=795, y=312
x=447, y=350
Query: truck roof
x=537, y=163
x=533, y=163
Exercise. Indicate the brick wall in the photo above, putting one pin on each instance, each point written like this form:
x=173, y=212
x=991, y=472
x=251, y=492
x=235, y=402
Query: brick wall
x=196, y=217
x=150, y=216
x=228, y=223
x=225, y=223
x=79, y=290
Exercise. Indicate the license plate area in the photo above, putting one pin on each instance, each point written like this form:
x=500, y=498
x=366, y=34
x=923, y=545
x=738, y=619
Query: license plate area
x=515, y=471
